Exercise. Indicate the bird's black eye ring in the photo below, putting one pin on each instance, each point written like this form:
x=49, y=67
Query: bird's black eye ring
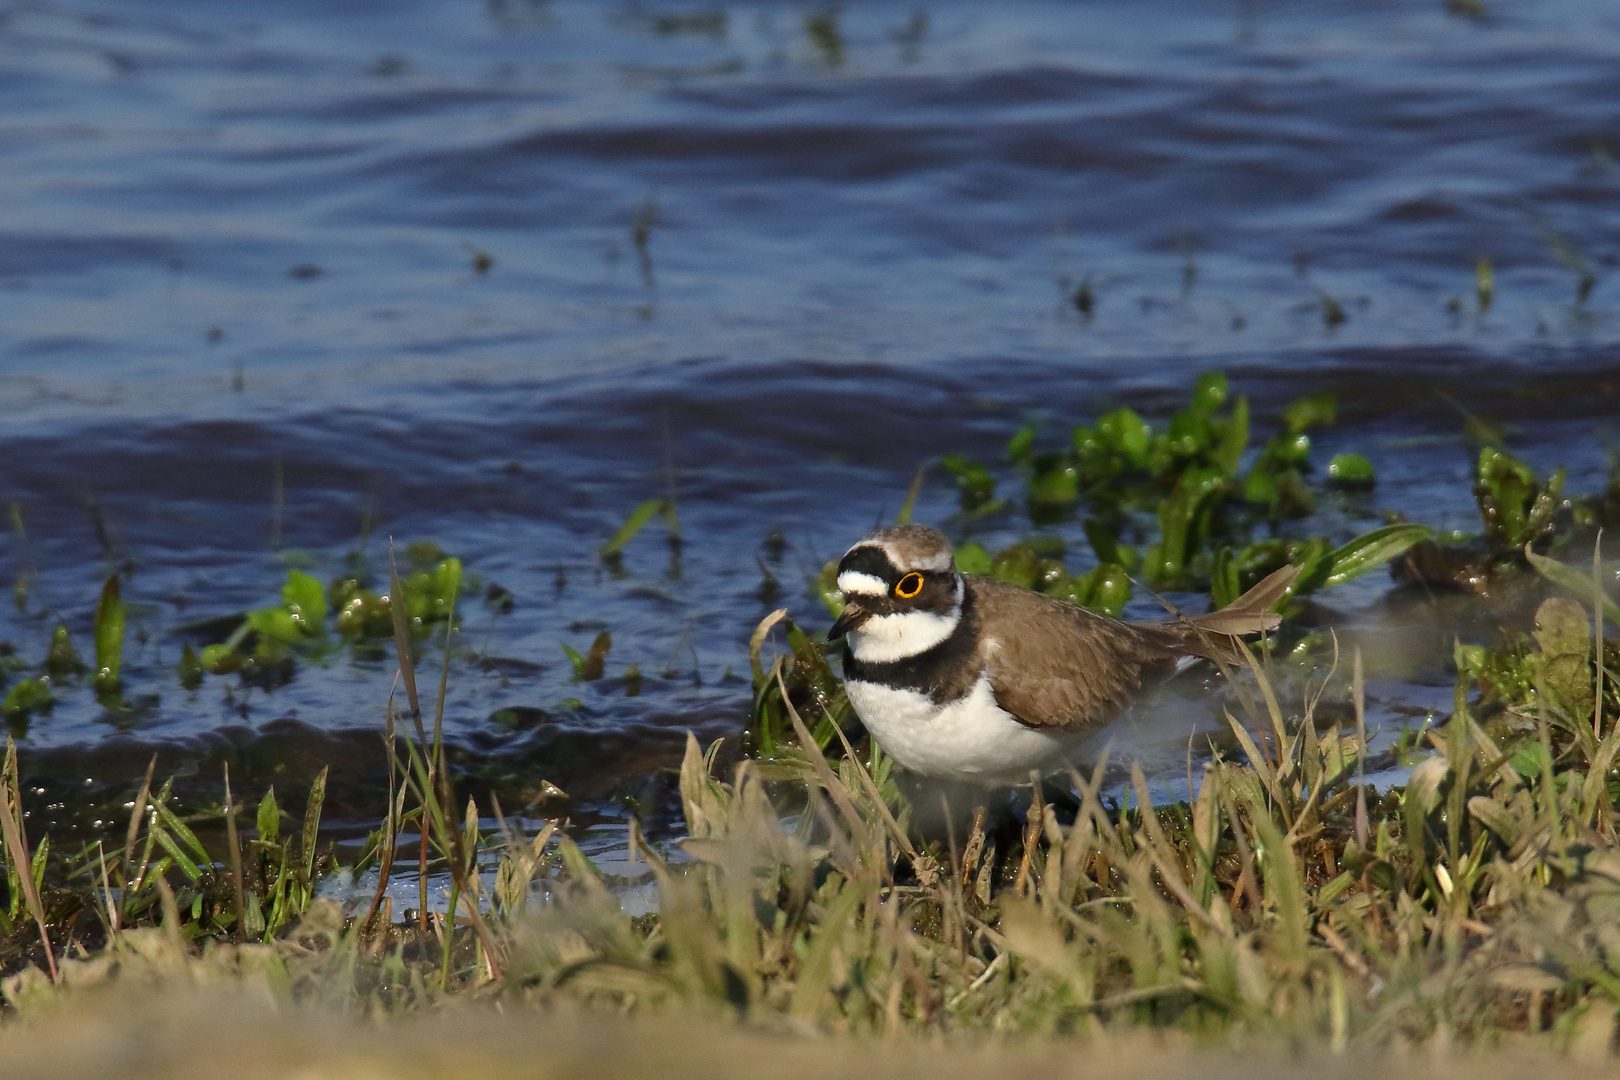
x=908, y=586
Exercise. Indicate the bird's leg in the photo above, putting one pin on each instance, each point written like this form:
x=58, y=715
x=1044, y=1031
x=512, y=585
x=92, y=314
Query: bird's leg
x=1034, y=821
x=975, y=845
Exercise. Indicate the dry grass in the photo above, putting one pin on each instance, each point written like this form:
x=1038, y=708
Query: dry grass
x=1280, y=911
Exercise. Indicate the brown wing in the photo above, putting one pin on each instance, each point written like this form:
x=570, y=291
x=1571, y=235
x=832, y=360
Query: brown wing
x=1058, y=666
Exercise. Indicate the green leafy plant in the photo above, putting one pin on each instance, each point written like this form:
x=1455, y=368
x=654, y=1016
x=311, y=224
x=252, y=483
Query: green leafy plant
x=1526, y=522
x=267, y=639
x=1516, y=508
x=1176, y=507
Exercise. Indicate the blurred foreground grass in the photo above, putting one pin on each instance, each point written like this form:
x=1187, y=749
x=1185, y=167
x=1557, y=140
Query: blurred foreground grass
x=198, y=1033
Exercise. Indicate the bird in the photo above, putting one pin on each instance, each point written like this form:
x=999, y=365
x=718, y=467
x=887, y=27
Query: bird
x=965, y=678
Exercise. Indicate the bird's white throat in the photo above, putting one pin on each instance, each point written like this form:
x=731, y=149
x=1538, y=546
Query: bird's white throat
x=882, y=639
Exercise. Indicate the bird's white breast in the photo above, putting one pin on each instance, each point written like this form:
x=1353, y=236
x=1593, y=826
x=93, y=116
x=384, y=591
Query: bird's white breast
x=972, y=738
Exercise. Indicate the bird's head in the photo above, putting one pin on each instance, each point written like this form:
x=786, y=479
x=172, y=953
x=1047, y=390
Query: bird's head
x=902, y=594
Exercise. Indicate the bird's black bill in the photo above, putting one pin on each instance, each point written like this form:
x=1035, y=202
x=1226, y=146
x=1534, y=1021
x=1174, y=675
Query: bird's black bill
x=851, y=619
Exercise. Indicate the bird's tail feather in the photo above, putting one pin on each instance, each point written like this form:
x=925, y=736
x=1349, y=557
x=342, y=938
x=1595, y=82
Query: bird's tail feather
x=1213, y=636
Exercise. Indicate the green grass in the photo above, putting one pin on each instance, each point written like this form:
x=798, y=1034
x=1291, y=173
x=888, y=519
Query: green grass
x=1282, y=904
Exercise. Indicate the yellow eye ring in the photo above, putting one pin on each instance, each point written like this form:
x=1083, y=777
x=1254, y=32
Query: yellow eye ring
x=908, y=586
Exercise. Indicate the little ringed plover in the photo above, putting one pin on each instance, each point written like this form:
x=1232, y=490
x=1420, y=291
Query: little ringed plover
x=967, y=678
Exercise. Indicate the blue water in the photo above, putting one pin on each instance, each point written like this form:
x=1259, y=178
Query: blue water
x=491, y=274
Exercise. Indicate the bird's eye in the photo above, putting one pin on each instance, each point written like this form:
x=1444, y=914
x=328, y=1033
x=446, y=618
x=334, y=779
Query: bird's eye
x=908, y=586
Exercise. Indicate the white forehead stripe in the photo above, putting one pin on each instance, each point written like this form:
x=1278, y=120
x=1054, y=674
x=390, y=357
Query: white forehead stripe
x=859, y=584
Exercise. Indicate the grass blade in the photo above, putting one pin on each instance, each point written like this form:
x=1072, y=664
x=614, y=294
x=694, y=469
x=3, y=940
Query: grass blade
x=910, y=504
x=632, y=525
x=402, y=642
x=16, y=841
x=1371, y=550
x=236, y=857
x=135, y=816
x=1572, y=580
x=312, y=824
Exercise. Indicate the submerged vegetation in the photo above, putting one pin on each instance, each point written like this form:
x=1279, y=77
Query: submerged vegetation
x=1282, y=898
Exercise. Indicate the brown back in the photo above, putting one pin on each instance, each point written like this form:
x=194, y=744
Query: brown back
x=1055, y=665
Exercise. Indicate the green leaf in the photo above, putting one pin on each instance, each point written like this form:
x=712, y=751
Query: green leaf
x=269, y=817
x=1224, y=586
x=1372, y=549
x=109, y=635
x=1314, y=557
x=219, y=659
x=423, y=553
x=181, y=859
x=1228, y=454
x=189, y=668
x=1516, y=510
x=632, y=525
x=1068, y=587
x=1310, y=411
x=1104, y=540
x=1087, y=443
x=588, y=668
x=62, y=658
x=1261, y=486
x=1209, y=394
x=1179, y=521
x=1110, y=590
x=575, y=659
x=825, y=588
x=306, y=600
x=1574, y=581
x=312, y=821
x=1055, y=486
x=1350, y=471
x=1289, y=448
x=1530, y=761
x=27, y=697
x=276, y=624
x=972, y=558
x=446, y=587
x=1189, y=435
x=973, y=481
x=1022, y=442
x=178, y=828
x=1018, y=564
x=418, y=592
x=1124, y=431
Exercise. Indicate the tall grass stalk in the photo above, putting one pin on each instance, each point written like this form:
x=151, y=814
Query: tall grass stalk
x=20, y=861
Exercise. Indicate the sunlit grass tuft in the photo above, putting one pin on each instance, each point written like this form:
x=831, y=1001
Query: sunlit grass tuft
x=1282, y=902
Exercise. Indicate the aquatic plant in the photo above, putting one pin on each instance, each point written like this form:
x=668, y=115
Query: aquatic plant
x=1527, y=523
x=1177, y=507
x=265, y=642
